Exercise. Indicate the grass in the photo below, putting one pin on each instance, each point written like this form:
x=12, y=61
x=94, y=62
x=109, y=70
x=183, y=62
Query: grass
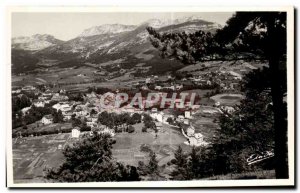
x=127, y=147
x=49, y=128
x=264, y=174
x=228, y=99
x=32, y=155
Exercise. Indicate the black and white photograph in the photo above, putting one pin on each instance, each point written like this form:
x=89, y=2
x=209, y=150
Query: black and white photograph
x=145, y=97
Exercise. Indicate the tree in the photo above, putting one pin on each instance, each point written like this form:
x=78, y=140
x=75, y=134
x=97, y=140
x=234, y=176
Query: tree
x=130, y=129
x=57, y=116
x=153, y=163
x=263, y=35
x=76, y=122
x=271, y=43
x=90, y=160
x=194, y=162
x=146, y=118
x=181, y=171
x=106, y=119
x=144, y=129
x=93, y=112
x=170, y=120
x=136, y=118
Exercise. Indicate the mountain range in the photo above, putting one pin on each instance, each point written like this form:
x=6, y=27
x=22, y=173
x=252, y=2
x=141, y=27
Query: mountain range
x=102, y=47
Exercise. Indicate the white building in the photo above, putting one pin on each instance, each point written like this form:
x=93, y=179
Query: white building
x=187, y=114
x=180, y=118
x=158, y=88
x=64, y=107
x=190, y=131
x=28, y=88
x=47, y=119
x=25, y=110
x=58, y=97
x=76, y=132
x=16, y=91
x=39, y=103
x=106, y=130
x=148, y=80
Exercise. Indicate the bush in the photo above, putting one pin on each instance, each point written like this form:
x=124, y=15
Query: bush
x=130, y=129
x=145, y=148
x=144, y=129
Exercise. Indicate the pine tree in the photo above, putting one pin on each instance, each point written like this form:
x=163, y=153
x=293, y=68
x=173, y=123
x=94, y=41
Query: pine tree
x=194, y=163
x=240, y=35
x=90, y=160
x=153, y=163
x=181, y=171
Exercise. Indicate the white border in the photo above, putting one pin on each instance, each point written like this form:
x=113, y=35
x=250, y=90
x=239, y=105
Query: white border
x=194, y=183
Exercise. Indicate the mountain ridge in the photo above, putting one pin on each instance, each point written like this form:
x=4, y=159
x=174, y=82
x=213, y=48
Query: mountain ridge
x=98, y=46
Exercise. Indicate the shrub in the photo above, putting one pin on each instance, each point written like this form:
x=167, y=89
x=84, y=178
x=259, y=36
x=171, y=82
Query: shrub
x=144, y=129
x=130, y=129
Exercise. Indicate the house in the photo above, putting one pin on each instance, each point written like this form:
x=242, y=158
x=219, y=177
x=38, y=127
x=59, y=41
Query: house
x=157, y=116
x=25, y=110
x=178, y=87
x=186, y=121
x=106, y=130
x=187, y=114
x=91, y=124
x=227, y=109
x=62, y=91
x=158, y=88
x=148, y=80
x=197, y=140
x=64, y=107
x=190, y=131
x=180, y=118
x=67, y=115
x=76, y=132
x=154, y=110
x=47, y=119
x=217, y=104
x=158, y=125
x=16, y=91
x=39, y=103
x=28, y=88
x=144, y=87
x=58, y=97
x=80, y=113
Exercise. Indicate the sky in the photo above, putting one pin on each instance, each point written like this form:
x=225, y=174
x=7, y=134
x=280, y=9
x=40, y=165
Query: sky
x=66, y=26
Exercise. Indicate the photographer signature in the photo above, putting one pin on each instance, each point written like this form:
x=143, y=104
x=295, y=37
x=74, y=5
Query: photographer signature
x=254, y=158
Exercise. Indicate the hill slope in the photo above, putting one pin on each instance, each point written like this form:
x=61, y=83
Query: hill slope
x=110, y=47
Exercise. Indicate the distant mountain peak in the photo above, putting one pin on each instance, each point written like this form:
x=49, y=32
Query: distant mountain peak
x=107, y=29
x=159, y=23
x=34, y=42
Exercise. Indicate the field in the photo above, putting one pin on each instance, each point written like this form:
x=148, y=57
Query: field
x=205, y=123
x=56, y=75
x=228, y=99
x=127, y=147
x=32, y=155
x=238, y=66
x=39, y=127
x=264, y=174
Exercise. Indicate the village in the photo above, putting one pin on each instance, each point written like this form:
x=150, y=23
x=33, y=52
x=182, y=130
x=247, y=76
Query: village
x=88, y=106
x=50, y=111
